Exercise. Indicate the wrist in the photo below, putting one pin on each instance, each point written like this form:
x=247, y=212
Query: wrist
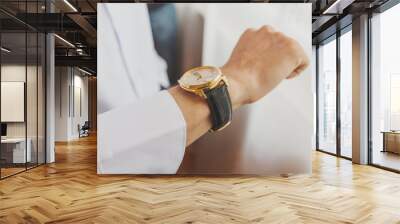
x=234, y=88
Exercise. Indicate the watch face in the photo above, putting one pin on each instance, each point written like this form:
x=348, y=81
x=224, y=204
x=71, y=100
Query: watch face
x=200, y=76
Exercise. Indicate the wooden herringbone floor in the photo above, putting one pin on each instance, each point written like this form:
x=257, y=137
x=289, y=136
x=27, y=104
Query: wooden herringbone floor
x=69, y=191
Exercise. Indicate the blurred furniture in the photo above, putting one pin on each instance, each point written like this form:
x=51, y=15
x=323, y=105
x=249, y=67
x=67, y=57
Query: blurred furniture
x=13, y=151
x=391, y=141
x=84, y=130
x=164, y=25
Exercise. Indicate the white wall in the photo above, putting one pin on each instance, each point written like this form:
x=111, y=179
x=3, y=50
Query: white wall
x=80, y=84
x=61, y=103
x=69, y=81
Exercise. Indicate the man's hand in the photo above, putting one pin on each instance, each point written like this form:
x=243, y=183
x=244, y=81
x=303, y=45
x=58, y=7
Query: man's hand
x=260, y=61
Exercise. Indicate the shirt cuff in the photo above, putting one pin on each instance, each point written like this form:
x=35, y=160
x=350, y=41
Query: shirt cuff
x=144, y=137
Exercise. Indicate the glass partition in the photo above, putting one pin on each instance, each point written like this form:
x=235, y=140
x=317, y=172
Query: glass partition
x=327, y=96
x=41, y=96
x=14, y=153
x=35, y=62
x=346, y=94
x=22, y=101
x=32, y=95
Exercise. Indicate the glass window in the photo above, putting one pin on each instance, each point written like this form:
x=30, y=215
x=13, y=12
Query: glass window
x=346, y=94
x=22, y=93
x=41, y=79
x=31, y=100
x=327, y=97
x=35, y=90
x=15, y=152
x=385, y=89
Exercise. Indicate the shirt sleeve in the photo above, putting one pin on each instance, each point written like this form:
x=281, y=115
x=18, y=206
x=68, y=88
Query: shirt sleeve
x=147, y=136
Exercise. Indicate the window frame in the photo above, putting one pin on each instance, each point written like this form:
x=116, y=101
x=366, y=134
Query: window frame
x=334, y=37
x=381, y=9
x=27, y=29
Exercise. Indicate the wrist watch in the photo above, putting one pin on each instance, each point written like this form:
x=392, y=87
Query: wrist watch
x=209, y=83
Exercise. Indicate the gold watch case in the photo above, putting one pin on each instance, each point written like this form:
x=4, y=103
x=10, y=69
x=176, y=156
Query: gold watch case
x=198, y=79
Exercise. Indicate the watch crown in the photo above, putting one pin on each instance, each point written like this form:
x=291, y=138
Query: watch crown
x=225, y=79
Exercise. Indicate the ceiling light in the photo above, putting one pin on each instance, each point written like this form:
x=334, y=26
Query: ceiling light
x=331, y=7
x=84, y=71
x=337, y=7
x=5, y=50
x=80, y=51
x=65, y=41
x=70, y=5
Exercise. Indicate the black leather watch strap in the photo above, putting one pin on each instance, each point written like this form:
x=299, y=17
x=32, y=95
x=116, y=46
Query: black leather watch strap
x=220, y=105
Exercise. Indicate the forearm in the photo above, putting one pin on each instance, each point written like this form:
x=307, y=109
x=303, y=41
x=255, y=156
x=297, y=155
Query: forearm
x=195, y=112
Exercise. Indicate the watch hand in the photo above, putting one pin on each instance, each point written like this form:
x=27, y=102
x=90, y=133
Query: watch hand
x=198, y=75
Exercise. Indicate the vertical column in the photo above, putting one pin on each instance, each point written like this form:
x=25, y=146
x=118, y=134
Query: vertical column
x=338, y=97
x=316, y=105
x=50, y=98
x=50, y=92
x=360, y=90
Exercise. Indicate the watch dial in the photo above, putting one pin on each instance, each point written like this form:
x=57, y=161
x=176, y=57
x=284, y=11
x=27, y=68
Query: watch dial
x=199, y=76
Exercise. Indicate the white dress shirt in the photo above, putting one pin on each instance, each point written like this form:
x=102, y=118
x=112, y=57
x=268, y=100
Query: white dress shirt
x=141, y=129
